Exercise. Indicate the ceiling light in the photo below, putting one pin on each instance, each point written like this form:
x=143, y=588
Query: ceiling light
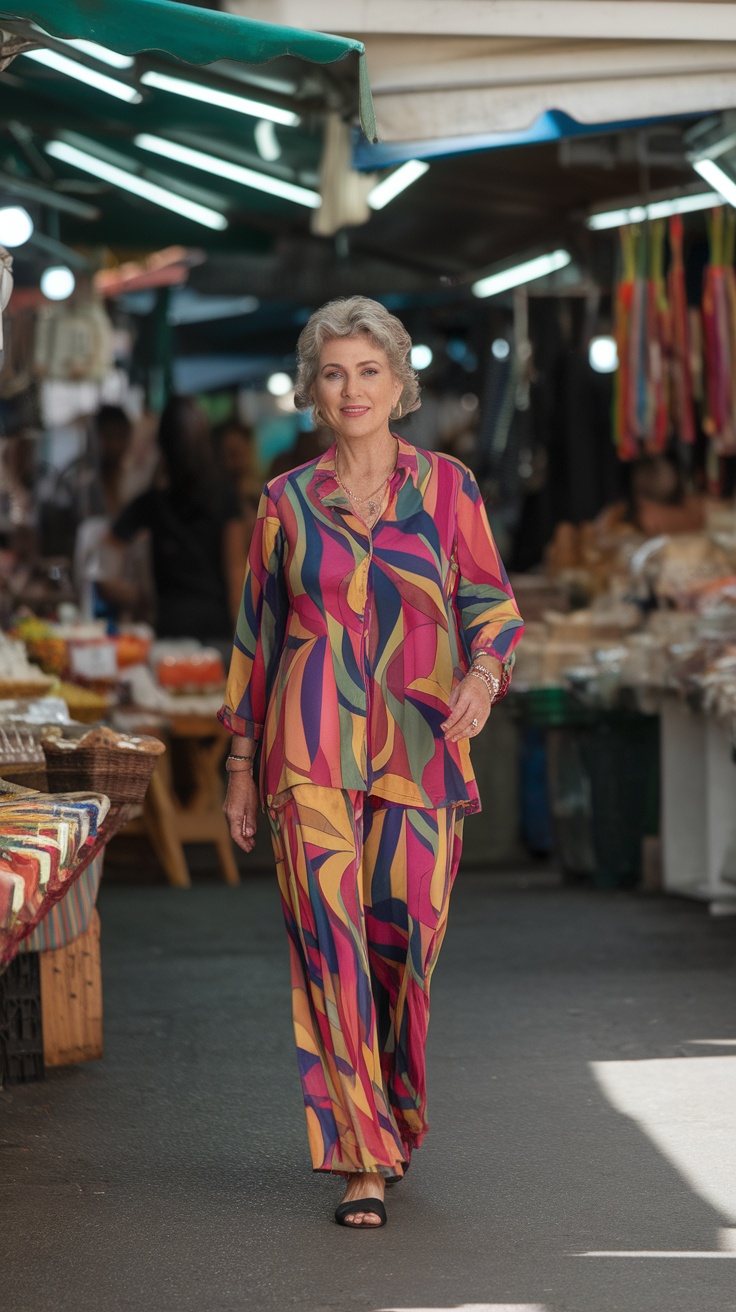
x=169, y=200
x=179, y=86
x=603, y=355
x=285, y=403
x=57, y=284
x=266, y=141
x=718, y=179
x=279, y=384
x=529, y=271
x=82, y=72
x=105, y=56
x=500, y=349
x=421, y=356
x=396, y=182
x=16, y=226
x=224, y=168
x=657, y=209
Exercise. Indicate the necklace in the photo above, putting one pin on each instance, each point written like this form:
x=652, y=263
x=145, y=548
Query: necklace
x=373, y=502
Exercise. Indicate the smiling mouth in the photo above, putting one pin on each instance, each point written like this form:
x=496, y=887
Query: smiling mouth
x=354, y=409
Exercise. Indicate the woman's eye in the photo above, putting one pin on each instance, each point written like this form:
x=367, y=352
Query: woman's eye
x=370, y=371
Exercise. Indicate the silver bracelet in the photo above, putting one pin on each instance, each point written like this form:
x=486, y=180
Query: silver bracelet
x=491, y=681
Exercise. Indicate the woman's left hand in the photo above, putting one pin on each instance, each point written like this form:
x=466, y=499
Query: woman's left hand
x=469, y=702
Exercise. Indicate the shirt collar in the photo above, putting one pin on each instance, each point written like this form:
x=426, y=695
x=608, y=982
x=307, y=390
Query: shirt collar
x=406, y=459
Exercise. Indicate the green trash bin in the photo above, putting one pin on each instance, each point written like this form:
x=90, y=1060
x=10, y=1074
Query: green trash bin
x=603, y=775
x=620, y=753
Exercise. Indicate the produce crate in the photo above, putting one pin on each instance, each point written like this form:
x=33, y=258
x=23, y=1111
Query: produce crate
x=21, y=1028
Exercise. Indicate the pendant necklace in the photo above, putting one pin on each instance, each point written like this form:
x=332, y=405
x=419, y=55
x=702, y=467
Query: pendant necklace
x=372, y=502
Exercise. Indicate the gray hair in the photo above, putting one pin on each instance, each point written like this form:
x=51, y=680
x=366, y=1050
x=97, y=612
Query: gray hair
x=353, y=316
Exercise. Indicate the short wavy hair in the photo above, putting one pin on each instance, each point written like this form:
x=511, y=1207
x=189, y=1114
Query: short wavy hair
x=353, y=316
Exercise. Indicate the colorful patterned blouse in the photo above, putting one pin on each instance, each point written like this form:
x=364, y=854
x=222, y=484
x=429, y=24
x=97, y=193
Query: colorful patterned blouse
x=350, y=641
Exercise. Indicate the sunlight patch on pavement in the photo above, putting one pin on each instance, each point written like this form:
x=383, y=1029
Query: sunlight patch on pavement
x=713, y=1043
x=474, y=1307
x=687, y=1108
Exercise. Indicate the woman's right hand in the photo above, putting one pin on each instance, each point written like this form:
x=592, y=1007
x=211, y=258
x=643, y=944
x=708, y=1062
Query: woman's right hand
x=241, y=808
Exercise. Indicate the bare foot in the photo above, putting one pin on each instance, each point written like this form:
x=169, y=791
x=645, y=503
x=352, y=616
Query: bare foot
x=364, y=1184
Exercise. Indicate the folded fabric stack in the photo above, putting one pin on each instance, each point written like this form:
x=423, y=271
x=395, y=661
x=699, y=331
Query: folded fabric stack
x=43, y=842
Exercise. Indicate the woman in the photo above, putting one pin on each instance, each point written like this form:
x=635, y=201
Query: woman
x=373, y=581
x=196, y=529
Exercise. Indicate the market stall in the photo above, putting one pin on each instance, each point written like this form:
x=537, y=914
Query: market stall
x=638, y=699
x=52, y=838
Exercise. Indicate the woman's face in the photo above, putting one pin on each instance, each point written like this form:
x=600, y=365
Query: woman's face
x=355, y=389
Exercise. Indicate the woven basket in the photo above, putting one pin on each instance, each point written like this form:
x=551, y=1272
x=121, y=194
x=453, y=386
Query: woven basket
x=17, y=689
x=120, y=773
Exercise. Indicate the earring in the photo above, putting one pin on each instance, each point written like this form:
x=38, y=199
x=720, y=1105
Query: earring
x=401, y=411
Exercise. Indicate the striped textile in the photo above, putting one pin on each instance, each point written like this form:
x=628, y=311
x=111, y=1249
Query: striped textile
x=365, y=888
x=71, y=916
x=350, y=642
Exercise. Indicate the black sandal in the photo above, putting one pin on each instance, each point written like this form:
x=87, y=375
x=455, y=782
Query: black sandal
x=373, y=1205
x=396, y=1179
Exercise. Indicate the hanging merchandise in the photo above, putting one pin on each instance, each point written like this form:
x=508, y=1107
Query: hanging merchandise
x=74, y=342
x=683, y=411
x=643, y=337
x=6, y=287
x=719, y=336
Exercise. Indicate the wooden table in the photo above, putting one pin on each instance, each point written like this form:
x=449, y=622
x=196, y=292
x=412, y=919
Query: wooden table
x=169, y=820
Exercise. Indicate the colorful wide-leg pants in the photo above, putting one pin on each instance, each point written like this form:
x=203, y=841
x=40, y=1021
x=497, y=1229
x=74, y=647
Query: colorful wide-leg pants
x=365, y=888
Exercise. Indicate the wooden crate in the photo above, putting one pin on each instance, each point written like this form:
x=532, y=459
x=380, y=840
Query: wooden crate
x=71, y=999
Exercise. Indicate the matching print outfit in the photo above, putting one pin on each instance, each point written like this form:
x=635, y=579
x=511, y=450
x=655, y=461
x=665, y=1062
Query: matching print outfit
x=348, y=646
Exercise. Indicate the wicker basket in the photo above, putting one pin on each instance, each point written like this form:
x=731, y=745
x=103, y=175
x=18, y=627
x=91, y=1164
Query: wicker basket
x=122, y=774
x=18, y=689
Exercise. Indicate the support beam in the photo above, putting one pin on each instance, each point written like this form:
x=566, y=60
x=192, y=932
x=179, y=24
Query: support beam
x=603, y=20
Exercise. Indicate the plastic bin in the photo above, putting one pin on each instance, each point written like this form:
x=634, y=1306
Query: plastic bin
x=603, y=783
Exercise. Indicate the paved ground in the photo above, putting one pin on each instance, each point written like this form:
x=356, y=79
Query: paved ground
x=173, y=1176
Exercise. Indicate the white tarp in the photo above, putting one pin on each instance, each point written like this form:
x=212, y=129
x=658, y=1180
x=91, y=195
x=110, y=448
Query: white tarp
x=445, y=68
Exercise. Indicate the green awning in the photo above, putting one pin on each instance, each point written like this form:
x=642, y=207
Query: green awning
x=192, y=35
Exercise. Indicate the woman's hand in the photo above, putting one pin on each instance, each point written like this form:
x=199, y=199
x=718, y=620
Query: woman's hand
x=241, y=808
x=469, y=701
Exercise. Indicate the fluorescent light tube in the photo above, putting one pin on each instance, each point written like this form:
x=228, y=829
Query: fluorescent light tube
x=656, y=209
x=267, y=141
x=168, y=200
x=396, y=182
x=179, y=86
x=224, y=168
x=90, y=76
x=105, y=56
x=521, y=273
x=717, y=178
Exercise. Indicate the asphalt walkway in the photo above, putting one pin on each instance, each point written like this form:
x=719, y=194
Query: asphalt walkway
x=582, y=1097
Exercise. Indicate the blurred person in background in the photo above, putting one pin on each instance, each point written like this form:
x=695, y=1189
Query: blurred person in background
x=196, y=531
x=236, y=451
x=309, y=443
x=376, y=631
x=109, y=583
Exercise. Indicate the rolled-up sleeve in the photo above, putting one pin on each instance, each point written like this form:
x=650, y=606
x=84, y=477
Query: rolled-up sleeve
x=260, y=630
x=487, y=612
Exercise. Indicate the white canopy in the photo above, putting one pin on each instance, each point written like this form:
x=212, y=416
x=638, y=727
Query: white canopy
x=450, y=68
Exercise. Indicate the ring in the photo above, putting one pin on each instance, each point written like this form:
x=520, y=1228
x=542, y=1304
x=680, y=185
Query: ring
x=474, y=723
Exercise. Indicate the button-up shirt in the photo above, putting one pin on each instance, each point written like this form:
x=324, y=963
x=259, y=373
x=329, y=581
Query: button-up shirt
x=351, y=640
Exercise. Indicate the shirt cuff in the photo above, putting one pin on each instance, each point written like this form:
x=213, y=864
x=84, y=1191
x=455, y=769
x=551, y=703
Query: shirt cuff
x=237, y=725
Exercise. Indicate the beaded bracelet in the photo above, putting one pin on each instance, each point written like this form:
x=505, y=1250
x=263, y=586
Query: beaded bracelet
x=233, y=769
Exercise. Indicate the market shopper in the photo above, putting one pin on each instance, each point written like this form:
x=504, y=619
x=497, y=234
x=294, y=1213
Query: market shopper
x=196, y=529
x=376, y=631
